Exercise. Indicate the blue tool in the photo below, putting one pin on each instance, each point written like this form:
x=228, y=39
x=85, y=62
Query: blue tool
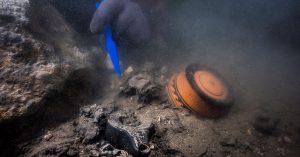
x=111, y=47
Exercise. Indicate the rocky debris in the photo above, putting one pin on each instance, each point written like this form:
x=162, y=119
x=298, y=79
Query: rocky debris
x=108, y=130
x=104, y=149
x=108, y=149
x=129, y=119
x=22, y=59
x=92, y=150
x=99, y=131
x=13, y=11
x=27, y=76
x=33, y=71
x=81, y=137
x=88, y=130
x=48, y=136
x=92, y=121
x=265, y=123
x=97, y=111
x=144, y=86
x=44, y=73
x=128, y=133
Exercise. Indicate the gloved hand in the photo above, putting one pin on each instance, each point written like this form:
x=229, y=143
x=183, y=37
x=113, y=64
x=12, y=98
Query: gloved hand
x=126, y=18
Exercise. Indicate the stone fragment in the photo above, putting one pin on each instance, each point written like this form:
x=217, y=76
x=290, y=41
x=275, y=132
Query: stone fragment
x=48, y=136
x=129, y=70
x=143, y=86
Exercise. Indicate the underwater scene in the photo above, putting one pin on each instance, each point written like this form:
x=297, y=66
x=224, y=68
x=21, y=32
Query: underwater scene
x=149, y=78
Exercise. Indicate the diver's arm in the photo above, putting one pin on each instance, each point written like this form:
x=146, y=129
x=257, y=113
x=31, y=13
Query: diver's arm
x=104, y=15
x=125, y=16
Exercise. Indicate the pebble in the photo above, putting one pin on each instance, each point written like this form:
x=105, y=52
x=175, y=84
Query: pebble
x=129, y=70
x=152, y=147
x=48, y=136
x=23, y=99
x=158, y=119
x=286, y=139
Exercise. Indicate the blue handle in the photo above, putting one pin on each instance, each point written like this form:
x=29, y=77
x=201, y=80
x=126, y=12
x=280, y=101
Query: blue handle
x=111, y=47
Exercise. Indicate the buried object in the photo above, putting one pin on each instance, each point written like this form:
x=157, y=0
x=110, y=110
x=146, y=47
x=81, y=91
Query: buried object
x=129, y=134
x=143, y=86
x=200, y=89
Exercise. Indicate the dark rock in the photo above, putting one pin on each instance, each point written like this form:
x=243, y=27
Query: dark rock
x=37, y=51
x=121, y=133
x=92, y=121
x=86, y=111
x=98, y=115
x=142, y=85
x=87, y=129
x=265, y=122
x=97, y=112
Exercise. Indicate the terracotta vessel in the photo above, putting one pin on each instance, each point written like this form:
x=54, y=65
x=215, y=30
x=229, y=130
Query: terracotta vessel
x=201, y=90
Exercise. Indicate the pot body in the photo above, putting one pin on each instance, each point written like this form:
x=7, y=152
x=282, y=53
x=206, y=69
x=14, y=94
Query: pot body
x=201, y=90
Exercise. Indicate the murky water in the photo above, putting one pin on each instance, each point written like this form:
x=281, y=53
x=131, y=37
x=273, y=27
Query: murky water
x=254, y=44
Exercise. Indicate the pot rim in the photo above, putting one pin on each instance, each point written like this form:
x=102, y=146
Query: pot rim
x=190, y=72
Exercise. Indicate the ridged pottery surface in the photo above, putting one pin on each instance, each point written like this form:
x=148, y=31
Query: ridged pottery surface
x=201, y=90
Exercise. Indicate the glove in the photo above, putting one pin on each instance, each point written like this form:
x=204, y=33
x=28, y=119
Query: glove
x=126, y=18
